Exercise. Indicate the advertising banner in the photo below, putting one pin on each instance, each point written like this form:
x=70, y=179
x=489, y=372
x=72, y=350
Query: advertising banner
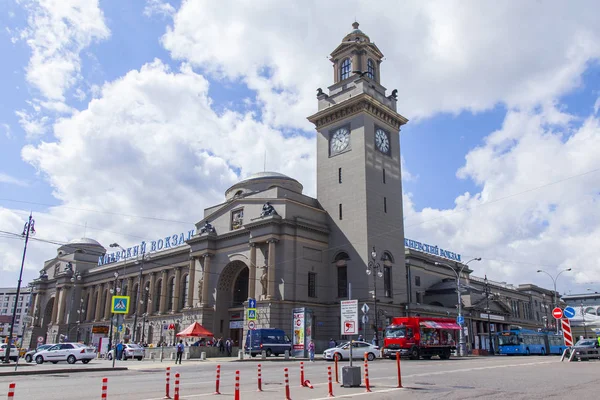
x=298, y=339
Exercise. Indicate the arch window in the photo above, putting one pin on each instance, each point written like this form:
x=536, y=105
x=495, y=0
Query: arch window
x=156, y=299
x=184, y=292
x=371, y=69
x=345, y=69
x=342, y=274
x=170, y=293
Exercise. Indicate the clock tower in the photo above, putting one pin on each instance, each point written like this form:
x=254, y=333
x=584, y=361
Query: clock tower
x=359, y=173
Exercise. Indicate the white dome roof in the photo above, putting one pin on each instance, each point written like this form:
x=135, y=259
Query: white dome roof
x=86, y=241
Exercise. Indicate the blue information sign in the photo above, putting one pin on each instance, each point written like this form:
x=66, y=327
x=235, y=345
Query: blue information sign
x=460, y=320
x=251, y=303
x=569, y=312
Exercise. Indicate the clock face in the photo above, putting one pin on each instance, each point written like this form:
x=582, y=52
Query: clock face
x=382, y=141
x=340, y=140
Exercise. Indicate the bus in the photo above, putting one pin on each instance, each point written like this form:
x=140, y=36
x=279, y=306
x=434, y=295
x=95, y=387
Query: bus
x=519, y=341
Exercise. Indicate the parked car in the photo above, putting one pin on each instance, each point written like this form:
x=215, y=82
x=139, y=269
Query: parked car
x=586, y=348
x=358, y=351
x=14, y=352
x=30, y=353
x=129, y=351
x=69, y=352
x=272, y=341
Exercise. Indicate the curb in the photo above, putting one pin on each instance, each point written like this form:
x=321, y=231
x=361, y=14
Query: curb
x=60, y=371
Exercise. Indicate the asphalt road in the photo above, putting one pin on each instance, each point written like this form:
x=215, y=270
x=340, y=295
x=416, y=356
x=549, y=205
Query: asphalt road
x=482, y=378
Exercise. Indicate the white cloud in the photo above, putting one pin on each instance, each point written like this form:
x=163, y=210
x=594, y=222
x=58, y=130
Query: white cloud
x=4, y=178
x=34, y=124
x=597, y=105
x=58, y=30
x=7, y=130
x=444, y=56
x=158, y=7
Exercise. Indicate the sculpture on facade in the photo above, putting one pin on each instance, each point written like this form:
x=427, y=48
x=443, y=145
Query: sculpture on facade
x=200, y=287
x=207, y=228
x=43, y=274
x=263, y=281
x=394, y=95
x=267, y=210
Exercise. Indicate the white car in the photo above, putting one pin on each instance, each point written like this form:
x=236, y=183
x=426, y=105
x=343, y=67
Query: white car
x=14, y=352
x=358, y=351
x=130, y=350
x=69, y=352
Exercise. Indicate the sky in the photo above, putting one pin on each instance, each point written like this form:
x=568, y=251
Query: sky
x=123, y=120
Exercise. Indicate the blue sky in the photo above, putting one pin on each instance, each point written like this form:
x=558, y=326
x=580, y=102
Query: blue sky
x=497, y=106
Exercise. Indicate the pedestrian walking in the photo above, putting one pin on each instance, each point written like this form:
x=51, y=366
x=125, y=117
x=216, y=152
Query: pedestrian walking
x=332, y=343
x=311, y=350
x=228, y=347
x=180, y=349
x=119, y=352
x=221, y=345
x=360, y=338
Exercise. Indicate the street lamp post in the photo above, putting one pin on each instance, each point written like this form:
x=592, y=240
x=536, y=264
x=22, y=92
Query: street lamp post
x=138, y=298
x=487, y=305
x=145, y=315
x=28, y=229
x=113, y=291
x=554, y=279
x=80, y=317
x=461, y=333
x=375, y=269
x=75, y=277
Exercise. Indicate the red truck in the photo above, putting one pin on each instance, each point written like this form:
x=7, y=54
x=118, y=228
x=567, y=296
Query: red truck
x=417, y=337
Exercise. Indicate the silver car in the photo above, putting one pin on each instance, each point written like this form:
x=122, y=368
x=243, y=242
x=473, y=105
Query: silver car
x=29, y=355
x=130, y=350
x=358, y=351
x=69, y=352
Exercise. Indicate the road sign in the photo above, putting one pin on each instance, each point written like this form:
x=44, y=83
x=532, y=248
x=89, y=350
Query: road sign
x=120, y=328
x=567, y=334
x=251, y=314
x=251, y=325
x=40, y=339
x=365, y=308
x=569, y=312
x=557, y=313
x=120, y=304
x=349, y=320
x=460, y=320
x=251, y=303
x=365, y=319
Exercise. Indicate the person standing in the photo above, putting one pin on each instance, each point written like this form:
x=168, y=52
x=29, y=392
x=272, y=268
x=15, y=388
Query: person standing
x=119, y=351
x=332, y=343
x=180, y=349
x=311, y=350
x=221, y=345
x=228, y=346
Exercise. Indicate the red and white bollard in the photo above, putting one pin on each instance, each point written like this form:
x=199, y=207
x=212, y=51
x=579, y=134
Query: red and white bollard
x=336, y=358
x=398, y=366
x=287, y=384
x=168, y=384
x=11, y=391
x=367, y=373
x=104, y=388
x=236, y=395
x=218, y=379
x=259, y=379
x=176, y=389
x=329, y=383
x=301, y=373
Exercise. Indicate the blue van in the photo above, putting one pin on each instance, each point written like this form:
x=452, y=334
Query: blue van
x=272, y=341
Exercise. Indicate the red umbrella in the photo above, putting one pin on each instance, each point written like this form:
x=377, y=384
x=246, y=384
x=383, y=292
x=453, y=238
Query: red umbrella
x=195, y=330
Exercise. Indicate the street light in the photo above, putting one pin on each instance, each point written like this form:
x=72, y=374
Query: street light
x=460, y=320
x=113, y=291
x=80, y=317
x=377, y=270
x=145, y=315
x=487, y=305
x=138, y=298
x=27, y=230
x=75, y=277
x=554, y=282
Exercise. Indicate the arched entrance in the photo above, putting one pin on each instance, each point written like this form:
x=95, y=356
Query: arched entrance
x=46, y=319
x=232, y=292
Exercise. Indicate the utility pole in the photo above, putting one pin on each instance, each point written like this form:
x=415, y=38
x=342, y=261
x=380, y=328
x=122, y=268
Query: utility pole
x=487, y=305
x=138, y=300
x=29, y=228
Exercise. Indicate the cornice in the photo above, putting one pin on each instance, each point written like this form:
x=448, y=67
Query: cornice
x=361, y=103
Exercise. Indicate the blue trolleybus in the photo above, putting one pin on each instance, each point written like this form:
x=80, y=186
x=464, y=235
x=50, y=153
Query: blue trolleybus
x=525, y=342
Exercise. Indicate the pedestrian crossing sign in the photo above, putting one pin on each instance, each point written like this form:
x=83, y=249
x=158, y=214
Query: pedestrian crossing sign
x=120, y=304
x=252, y=314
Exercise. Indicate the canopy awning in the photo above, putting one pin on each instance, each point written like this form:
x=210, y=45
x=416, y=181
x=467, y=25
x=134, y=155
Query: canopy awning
x=195, y=330
x=440, y=325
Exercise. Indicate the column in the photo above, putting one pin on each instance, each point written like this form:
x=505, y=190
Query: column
x=191, y=280
x=108, y=300
x=129, y=291
x=88, y=305
x=149, y=305
x=252, y=272
x=97, y=314
x=55, y=307
x=34, y=310
x=271, y=270
x=61, y=306
x=205, y=279
x=163, y=292
x=176, y=289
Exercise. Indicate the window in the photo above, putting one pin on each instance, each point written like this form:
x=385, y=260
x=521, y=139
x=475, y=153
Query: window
x=170, y=294
x=312, y=284
x=342, y=280
x=385, y=204
x=339, y=175
x=184, y=292
x=340, y=211
x=417, y=280
x=345, y=69
x=419, y=297
x=387, y=281
x=371, y=69
x=20, y=298
x=384, y=175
